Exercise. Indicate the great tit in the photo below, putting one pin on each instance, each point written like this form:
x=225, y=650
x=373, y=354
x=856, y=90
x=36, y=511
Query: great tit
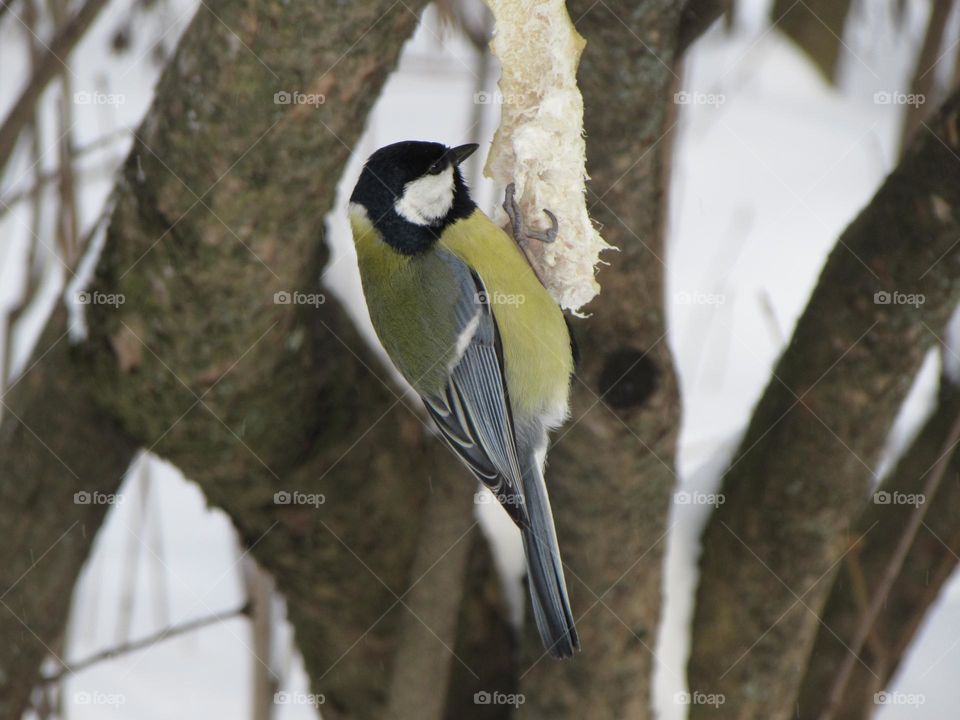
x=466, y=321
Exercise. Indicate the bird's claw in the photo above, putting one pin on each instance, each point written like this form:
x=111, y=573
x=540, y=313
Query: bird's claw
x=516, y=220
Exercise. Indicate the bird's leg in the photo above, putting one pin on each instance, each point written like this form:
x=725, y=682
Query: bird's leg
x=520, y=231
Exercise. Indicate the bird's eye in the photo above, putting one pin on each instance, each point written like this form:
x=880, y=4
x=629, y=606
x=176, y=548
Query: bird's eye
x=436, y=168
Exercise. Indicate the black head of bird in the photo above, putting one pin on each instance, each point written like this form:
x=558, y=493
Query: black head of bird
x=412, y=190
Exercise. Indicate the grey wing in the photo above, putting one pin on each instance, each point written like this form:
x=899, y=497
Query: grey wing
x=473, y=414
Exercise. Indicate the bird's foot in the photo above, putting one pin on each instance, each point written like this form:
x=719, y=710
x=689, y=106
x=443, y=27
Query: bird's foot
x=520, y=231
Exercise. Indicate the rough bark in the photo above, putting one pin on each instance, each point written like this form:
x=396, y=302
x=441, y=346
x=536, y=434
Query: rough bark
x=420, y=674
x=611, y=467
x=817, y=27
x=802, y=472
x=55, y=441
x=249, y=397
x=220, y=207
x=485, y=642
x=928, y=565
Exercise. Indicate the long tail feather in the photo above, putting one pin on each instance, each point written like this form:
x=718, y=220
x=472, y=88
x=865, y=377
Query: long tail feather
x=548, y=590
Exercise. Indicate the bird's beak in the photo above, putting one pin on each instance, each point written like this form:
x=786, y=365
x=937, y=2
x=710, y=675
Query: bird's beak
x=460, y=153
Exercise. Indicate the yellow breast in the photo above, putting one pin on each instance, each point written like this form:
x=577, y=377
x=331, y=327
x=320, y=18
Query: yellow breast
x=538, y=360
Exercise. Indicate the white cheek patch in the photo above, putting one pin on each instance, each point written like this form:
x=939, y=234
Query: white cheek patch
x=427, y=199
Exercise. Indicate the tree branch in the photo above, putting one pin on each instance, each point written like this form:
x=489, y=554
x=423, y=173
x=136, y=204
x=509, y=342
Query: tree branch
x=931, y=558
x=55, y=441
x=803, y=469
x=145, y=642
x=49, y=66
x=923, y=84
x=696, y=19
x=611, y=467
x=220, y=208
x=817, y=27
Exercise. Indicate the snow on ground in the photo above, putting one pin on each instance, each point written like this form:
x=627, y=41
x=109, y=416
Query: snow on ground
x=771, y=165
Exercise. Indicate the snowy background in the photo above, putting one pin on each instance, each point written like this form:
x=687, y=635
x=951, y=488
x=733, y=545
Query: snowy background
x=771, y=164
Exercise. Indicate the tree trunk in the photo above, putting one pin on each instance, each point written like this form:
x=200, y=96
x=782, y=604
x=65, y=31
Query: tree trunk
x=804, y=466
x=62, y=461
x=220, y=211
x=611, y=470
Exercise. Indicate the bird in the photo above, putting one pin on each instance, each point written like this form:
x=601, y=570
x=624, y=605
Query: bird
x=466, y=321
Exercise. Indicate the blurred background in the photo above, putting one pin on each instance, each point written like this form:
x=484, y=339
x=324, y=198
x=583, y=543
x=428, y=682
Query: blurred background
x=772, y=161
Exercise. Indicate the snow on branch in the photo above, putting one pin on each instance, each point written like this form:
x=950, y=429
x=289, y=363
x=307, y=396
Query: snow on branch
x=539, y=145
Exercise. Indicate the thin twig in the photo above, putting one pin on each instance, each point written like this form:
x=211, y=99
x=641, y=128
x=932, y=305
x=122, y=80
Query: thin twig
x=924, y=76
x=46, y=70
x=67, y=237
x=42, y=179
x=890, y=574
x=145, y=642
x=33, y=272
